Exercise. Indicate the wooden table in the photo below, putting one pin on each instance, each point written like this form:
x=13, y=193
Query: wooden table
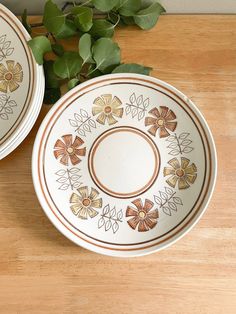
x=43, y=272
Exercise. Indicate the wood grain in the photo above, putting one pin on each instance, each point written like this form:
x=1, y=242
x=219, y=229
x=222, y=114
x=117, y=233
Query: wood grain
x=43, y=272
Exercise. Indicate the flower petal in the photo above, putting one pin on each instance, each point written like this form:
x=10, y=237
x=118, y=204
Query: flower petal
x=155, y=112
x=93, y=194
x=118, y=112
x=10, y=65
x=12, y=85
x=99, y=102
x=133, y=222
x=130, y=211
x=3, y=69
x=163, y=132
x=83, y=191
x=172, y=181
x=174, y=163
x=80, y=152
x=96, y=110
x=148, y=205
x=59, y=152
x=138, y=203
x=190, y=178
x=101, y=118
x=182, y=184
x=116, y=102
x=17, y=68
x=77, y=142
x=191, y=169
x=167, y=171
x=60, y=144
x=164, y=111
x=74, y=159
x=92, y=212
x=67, y=139
x=142, y=227
x=110, y=119
x=184, y=162
x=150, y=121
x=18, y=77
x=170, y=115
x=97, y=203
x=75, y=208
x=3, y=86
x=83, y=213
x=153, y=214
x=153, y=130
x=150, y=223
x=75, y=198
x=107, y=99
x=171, y=126
x=64, y=159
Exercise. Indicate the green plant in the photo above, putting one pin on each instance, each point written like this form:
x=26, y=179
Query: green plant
x=94, y=22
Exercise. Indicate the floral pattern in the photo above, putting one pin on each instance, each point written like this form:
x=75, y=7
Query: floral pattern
x=67, y=149
x=84, y=204
x=142, y=215
x=180, y=172
x=107, y=108
x=10, y=76
x=162, y=120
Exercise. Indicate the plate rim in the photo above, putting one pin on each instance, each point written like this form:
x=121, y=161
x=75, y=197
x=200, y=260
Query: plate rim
x=138, y=251
x=35, y=103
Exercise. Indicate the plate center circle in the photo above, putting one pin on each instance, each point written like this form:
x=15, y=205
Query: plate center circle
x=124, y=162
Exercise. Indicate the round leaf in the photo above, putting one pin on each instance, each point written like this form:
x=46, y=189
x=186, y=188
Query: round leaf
x=85, y=43
x=83, y=18
x=132, y=68
x=67, y=66
x=102, y=28
x=39, y=46
x=147, y=18
x=105, y=5
x=106, y=54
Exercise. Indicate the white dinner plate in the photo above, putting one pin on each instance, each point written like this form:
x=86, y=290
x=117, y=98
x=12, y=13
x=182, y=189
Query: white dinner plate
x=124, y=165
x=21, y=83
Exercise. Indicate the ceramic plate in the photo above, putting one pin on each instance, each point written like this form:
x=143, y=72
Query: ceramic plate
x=21, y=83
x=124, y=165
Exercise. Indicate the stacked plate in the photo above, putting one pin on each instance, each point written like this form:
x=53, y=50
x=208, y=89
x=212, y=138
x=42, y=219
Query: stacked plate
x=21, y=83
x=124, y=165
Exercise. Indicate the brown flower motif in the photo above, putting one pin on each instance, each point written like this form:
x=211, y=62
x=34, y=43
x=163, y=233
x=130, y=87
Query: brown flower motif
x=107, y=109
x=67, y=149
x=180, y=172
x=10, y=76
x=84, y=203
x=162, y=120
x=143, y=217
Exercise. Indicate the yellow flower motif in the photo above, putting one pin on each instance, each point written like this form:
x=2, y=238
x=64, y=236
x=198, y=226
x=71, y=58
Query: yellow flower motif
x=10, y=76
x=107, y=108
x=180, y=172
x=84, y=203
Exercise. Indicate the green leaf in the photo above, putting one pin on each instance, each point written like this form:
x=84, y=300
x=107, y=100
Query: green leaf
x=94, y=72
x=85, y=44
x=102, y=28
x=51, y=80
x=53, y=18
x=147, y=18
x=106, y=54
x=132, y=68
x=83, y=18
x=68, y=66
x=72, y=83
x=39, y=46
x=51, y=95
x=128, y=20
x=25, y=23
x=58, y=49
x=105, y=5
x=67, y=30
x=129, y=7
